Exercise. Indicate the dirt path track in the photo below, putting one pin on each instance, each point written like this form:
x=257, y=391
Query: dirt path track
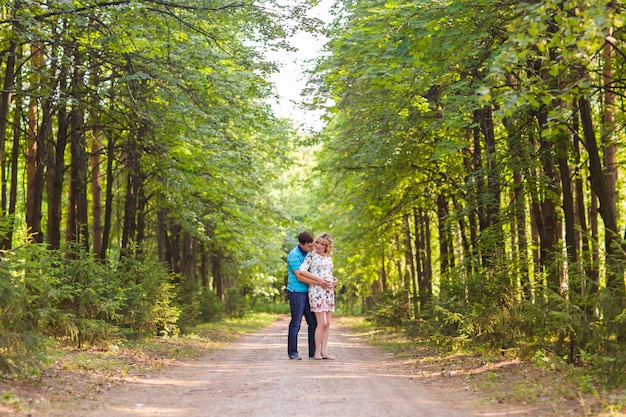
x=253, y=377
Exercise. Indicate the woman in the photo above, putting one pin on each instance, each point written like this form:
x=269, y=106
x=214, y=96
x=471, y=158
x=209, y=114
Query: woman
x=319, y=264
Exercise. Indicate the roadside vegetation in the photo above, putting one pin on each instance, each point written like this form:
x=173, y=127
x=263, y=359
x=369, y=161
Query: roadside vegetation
x=67, y=374
x=542, y=380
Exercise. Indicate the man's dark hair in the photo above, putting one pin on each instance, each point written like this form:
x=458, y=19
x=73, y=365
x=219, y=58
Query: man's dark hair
x=305, y=237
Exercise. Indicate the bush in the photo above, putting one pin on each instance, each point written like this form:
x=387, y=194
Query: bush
x=26, y=299
x=147, y=296
x=234, y=303
x=391, y=308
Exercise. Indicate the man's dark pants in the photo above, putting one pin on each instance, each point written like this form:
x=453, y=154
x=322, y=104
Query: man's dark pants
x=299, y=306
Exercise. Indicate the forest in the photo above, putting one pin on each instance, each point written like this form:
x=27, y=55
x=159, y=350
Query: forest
x=468, y=170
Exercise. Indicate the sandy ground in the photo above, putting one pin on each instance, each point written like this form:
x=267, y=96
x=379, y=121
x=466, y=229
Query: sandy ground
x=254, y=377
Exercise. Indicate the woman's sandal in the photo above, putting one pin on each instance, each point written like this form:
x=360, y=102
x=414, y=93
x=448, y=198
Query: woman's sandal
x=328, y=357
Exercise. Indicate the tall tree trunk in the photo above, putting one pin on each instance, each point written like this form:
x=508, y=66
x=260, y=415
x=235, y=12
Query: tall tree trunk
x=34, y=156
x=5, y=101
x=445, y=239
x=130, y=202
x=189, y=256
x=96, y=194
x=55, y=150
x=95, y=138
x=78, y=229
x=174, y=246
x=594, y=277
x=608, y=138
x=568, y=204
x=615, y=257
x=423, y=256
x=427, y=260
x=142, y=203
x=419, y=249
x=108, y=204
x=382, y=272
x=161, y=236
x=588, y=273
x=493, y=173
x=522, y=238
x=536, y=224
x=56, y=169
x=205, y=261
x=410, y=278
x=471, y=198
x=15, y=155
x=548, y=233
x=218, y=279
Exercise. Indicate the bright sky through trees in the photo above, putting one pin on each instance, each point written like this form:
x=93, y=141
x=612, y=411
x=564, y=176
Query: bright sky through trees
x=291, y=80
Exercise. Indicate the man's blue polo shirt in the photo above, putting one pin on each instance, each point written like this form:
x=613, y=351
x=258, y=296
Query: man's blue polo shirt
x=294, y=261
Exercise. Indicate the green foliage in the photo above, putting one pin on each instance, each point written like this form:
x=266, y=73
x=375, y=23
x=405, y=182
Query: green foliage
x=234, y=303
x=25, y=302
x=85, y=301
x=210, y=307
x=146, y=293
x=391, y=309
x=77, y=300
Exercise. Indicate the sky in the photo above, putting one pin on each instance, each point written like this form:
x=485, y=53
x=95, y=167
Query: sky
x=291, y=80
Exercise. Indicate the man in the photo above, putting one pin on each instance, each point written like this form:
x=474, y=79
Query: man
x=297, y=294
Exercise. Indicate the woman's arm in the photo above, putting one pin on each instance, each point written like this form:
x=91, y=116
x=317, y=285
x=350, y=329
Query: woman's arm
x=309, y=278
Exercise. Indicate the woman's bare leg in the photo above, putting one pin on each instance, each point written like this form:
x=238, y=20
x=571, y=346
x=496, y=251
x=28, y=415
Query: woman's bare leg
x=327, y=316
x=319, y=333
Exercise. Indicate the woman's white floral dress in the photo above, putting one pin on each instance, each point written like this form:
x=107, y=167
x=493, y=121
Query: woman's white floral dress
x=320, y=299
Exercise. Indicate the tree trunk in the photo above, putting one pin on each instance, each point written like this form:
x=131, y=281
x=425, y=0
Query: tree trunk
x=34, y=157
x=15, y=155
x=141, y=218
x=568, y=204
x=615, y=257
x=522, y=238
x=444, y=236
x=161, y=236
x=536, y=224
x=409, y=259
x=130, y=202
x=218, y=279
x=587, y=270
x=204, y=268
x=548, y=233
x=608, y=141
x=78, y=229
x=5, y=101
x=96, y=194
x=108, y=199
x=56, y=172
x=493, y=174
x=55, y=159
x=188, y=267
x=422, y=256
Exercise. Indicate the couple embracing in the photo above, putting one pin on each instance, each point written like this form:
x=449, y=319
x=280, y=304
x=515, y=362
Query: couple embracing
x=310, y=290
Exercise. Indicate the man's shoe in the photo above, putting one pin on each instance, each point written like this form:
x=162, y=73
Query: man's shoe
x=295, y=356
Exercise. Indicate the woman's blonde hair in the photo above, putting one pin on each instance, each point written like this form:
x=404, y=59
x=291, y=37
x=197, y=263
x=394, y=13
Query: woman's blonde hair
x=326, y=239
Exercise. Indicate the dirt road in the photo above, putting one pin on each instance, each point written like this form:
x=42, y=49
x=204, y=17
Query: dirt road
x=254, y=377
